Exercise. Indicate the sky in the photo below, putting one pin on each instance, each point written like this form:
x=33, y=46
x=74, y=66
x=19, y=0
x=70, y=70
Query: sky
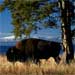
x=6, y=27
x=5, y=23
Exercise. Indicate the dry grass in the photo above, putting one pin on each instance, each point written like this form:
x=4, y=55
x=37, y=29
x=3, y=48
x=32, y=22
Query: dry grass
x=49, y=67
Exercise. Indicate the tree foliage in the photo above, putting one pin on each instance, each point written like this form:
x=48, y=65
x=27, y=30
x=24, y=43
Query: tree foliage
x=26, y=12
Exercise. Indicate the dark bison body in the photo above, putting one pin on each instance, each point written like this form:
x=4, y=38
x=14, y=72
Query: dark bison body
x=34, y=49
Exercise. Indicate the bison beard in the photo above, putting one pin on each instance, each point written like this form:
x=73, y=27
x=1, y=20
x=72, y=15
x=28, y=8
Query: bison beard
x=34, y=49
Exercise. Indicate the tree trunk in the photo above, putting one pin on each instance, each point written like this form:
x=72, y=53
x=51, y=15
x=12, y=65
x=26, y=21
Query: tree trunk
x=67, y=43
x=66, y=31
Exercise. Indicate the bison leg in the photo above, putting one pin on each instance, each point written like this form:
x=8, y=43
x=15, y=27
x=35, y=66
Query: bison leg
x=57, y=59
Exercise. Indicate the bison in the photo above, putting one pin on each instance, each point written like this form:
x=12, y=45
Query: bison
x=34, y=49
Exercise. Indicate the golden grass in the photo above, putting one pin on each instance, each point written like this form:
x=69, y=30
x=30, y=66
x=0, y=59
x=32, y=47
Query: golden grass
x=49, y=67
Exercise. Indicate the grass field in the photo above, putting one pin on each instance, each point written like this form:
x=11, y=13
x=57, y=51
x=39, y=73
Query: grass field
x=49, y=67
